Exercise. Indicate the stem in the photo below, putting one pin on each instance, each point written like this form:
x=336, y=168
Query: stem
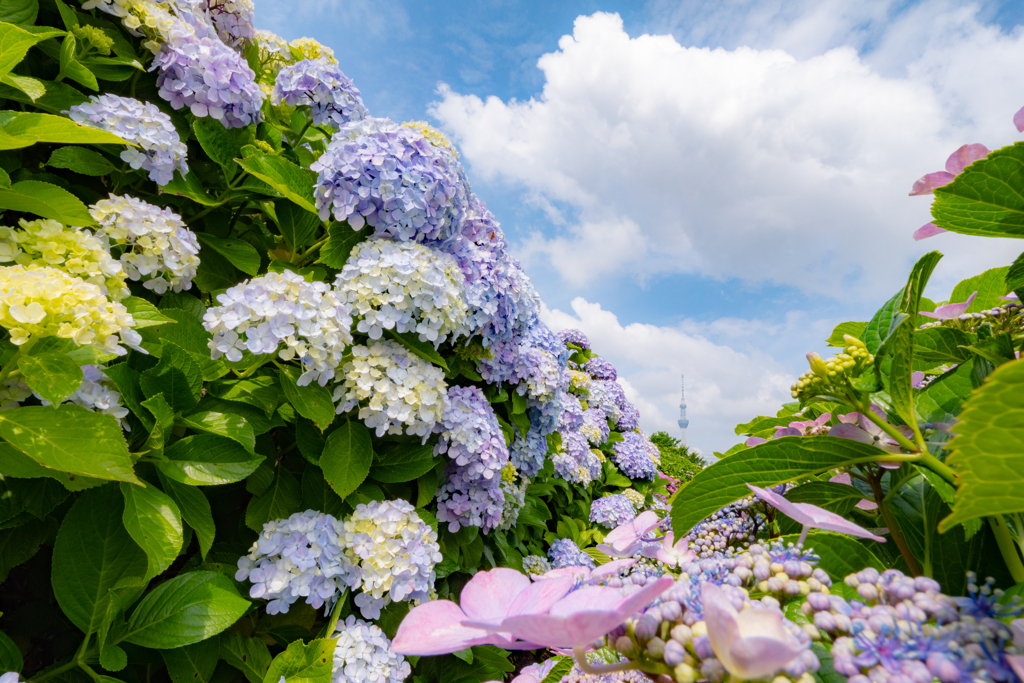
x=1007, y=547
x=234, y=219
x=12, y=365
x=939, y=467
x=894, y=528
x=894, y=489
x=298, y=140
x=305, y=255
x=903, y=441
x=332, y=625
x=580, y=655
x=803, y=536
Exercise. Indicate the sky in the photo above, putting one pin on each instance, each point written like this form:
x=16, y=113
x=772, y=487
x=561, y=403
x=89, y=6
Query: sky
x=703, y=187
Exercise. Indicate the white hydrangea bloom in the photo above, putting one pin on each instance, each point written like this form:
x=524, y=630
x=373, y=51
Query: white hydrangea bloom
x=262, y=314
x=159, y=249
x=392, y=388
x=363, y=653
x=404, y=286
x=635, y=497
x=98, y=394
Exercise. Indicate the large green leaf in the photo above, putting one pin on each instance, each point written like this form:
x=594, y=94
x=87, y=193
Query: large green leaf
x=184, y=610
x=10, y=655
x=939, y=345
x=177, y=376
x=14, y=45
x=291, y=181
x=854, y=329
x=126, y=379
x=24, y=129
x=92, y=554
x=281, y=499
x=240, y=253
x=317, y=495
x=988, y=451
x=233, y=427
x=54, y=437
x=298, y=226
x=19, y=11
x=304, y=663
x=59, y=97
x=990, y=285
x=311, y=401
x=768, y=464
x=341, y=240
x=46, y=200
x=248, y=655
x=347, y=456
x=195, y=510
x=941, y=399
x=839, y=498
x=54, y=376
x=191, y=187
x=1015, y=277
x=21, y=543
x=901, y=392
x=987, y=199
x=878, y=327
x=840, y=554
x=145, y=314
x=424, y=350
x=153, y=520
x=193, y=663
x=221, y=144
x=81, y=160
x=403, y=463
x=14, y=463
x=208, y=459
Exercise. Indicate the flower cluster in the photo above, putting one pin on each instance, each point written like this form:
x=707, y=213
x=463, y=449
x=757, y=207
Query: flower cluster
x=612, y=510
x=633, y=457
x=97, y=393
x=575, y=461
x=515, y=498
x=594, y=426
x=302, y=556
x=158, y=21
x=565, y=553
x=607, y=395
x=75, y=251
x=527, y=451
x=536, y=565
x=313, y=325
x=824, y=375
x=378, y=173
x=322, y=86
x=472, y=438
x=233, y=20
x=635, y=497
x=392, y=388
x=434, y=137
x=599, y=368
x=363, y=653
x=404, y=286
x=574, y=337
x=629, y=417
x=310, y=48
x=46, y=302
x=160, y=150
x=159, y=250
x=731, y=527
x=395, y=551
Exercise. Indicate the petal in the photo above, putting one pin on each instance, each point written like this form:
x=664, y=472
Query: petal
x=843, y=478
x=786, y=431
x=916, y=378
x=1016, y=662
x=760, y=623
x=830, y=521
x=720, y=618
x=645, y=596
x=434, y=628
x=488, y=595
x=866, y=504
x=964, y=157
x=539, y=597
x=612, y=568
x=1018, y=120
x=588, y=598
x=582, y=573
x=787, y=508
x=760, y=656
x=927, y=230
x=755, y=441
x=927, y=183
x=850, y=431
x=574, y=630
x=1012, y=296
x=1017, y=629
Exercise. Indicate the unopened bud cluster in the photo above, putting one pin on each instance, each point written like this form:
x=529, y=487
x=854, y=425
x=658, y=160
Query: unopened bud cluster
x=834, y=372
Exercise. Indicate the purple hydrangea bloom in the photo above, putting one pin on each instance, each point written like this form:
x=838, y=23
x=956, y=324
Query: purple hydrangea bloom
x=611, y=511
x=322, y=86
x=629, y=417
x=595, y=426
x=565, y=553
x=472, y=438
x=527, y=453
x=571, y=416
x=233, y=20
x=390, y=177
x=632, y=457
x=575, y=462
x=200, y=72
x=599, y=368
x=607, y=395
x=576, y=337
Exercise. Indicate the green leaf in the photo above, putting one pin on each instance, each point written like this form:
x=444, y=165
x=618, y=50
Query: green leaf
x=59, y=97
x=938, y=346
x=943, y=397
x=112, y=658
x=221, y=144
x=153, y=520
x=14, y=45
x=900, y=390
x=233, y=427
x=248, y=655
x=298, y=226
x=347, y=456
x=54, y=376
x=262, y=392
x=990, y=285
x=560, y=670
x=25, y=129
x=195, y=510
x=239, y=253
x=767, y=464
x=46, y=200
x=878, y=328
x=853, y=329
x=127, y=382
x=21, y=543
x=988, y=450
x=177, y=376
x=1015, y=276
x=311, y=401
x=15, y=463
x=317, y=495
x=33, y=88
x=145, y=313
x=302, y=663
x=208, y=460
x=840, y=554
x=19, y=11
x=987, y=198
x=292, y=182
x=424, y=350
x=403, y=463
x=281, y=499
x=341, y=239
x=53, y=437
x=10, y=655
x=184, y=610
x=193, y=663
x=191, y=187
x=92, y=554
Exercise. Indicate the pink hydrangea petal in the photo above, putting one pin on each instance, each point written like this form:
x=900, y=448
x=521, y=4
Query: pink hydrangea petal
x=612, y=568
x=926, y=184
x=757, y=657
x=435, y=628
x=582, y=573
x=754, y=441
x=781, y=504
x=927, y=230
x=539, y=597
x=843, y=478
x=488, y=595
x=916, y=378
x=866, y=504
x=950, y=311
x=965, y=156
x=830, y=521
x=720, y=619
x=786, y=431
x=1012, y=296
x=1016, y=662
x=850, y=431
x=1018, y=120
x=574, y=630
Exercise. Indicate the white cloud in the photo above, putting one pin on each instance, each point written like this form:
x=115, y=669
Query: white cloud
x=724, y=387
x=749, y=163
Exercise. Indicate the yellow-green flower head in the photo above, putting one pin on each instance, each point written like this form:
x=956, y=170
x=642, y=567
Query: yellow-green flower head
x=509, y=473
x=433, y=136
x=94, y=37
x=38, y=301
x=75, y=251
x=579, y=380
x=834, y=372
x=599, y=454
x=635, y=497
x=307, y=48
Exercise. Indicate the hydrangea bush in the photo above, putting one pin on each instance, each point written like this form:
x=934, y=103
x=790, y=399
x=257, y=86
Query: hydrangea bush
x=277, y=405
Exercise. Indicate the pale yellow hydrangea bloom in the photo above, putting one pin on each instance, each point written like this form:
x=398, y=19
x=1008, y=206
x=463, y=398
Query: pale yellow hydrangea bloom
x=432, y=135
x=579, y=380
x=37, y=301
x=635, y=497
x=75, y=251
x=599, y=454
x=307, y=48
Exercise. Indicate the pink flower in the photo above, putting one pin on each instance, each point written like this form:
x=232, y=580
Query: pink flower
x=438, y=627
x=625, y=540
x=927, y=230
x=1016, y=662
x=857, y=427
x=1012, y=296
x=674, y=555
x=586, y=574
x=755, y=441
x=812, y=516
x=1018, y=120
x=795, y=428
x=581, y=616
x=916, y=379
x=955, y=164
x=864, y=504
x=749, y=644
x=950, y=311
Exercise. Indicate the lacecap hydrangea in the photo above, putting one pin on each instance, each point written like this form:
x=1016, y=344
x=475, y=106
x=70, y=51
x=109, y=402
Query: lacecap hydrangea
x=332, y=97
x=282, y=313
x=160, y=151
x=363, y=653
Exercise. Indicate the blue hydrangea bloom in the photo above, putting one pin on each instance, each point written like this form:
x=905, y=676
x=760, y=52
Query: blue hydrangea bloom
x=575, y=337
x=632, y=457
x=571, y=415
x=319, y=84
x=629, y=417
x=595, y=426
x=565, y=553
x=607, y=395
x=612, y=510
x=576, y=462
x=599, y=368
x=527, y=453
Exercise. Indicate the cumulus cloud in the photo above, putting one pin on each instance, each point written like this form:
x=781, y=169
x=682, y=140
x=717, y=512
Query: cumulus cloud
x=748, y=162
x=724, y=386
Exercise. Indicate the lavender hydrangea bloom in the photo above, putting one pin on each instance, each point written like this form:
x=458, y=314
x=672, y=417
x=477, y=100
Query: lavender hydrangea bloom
x=200, y=72
x=378, y=173
x=595, y=426
x=576, y=462
x=160, y=150
x=611, y=511
x=233, y=20
x=571, y=416
x=607, y=395
x=527, y=453
x=632, y=457
x=629, y=417
x=565, y=553
x=517, y=313
x=574, y=337
x=472, y=438
x=322, y=86
x=363, y=653
x=599, y=368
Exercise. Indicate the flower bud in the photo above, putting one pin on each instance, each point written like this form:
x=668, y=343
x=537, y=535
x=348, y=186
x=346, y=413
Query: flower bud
x=673, y=653
x=818, y=366
x=684, y=673
x=624, y=645
x=682, y=634
x=655, y=647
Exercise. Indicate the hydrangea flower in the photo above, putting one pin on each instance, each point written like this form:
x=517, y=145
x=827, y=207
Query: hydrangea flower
x=75, y=251
x=595, y=426
x=261, y=314
x=607, y=395
x=299, y=557
x=395, y=551
x=629, y=417
x=635, y=497
x=599, y=368
x=579, y=381
x=571, y=415
x=159, y=250
x=575, y=461
x=472, y=438
x=233, y=20
x=633, y=458
x=46, y=302
x=536, y=565
x=322, y=86
x=98, y=394
x=160, y=150
x=574, y=337
x=406, y=287
x=378, y=173
x=515, y=499
x=392, y=387
x=565, y=553
x=527, y=452
x=310, y=48
x=363, y=653
x=158, y=21
x=612, y=510
x=12, y=392
x=434, y=137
